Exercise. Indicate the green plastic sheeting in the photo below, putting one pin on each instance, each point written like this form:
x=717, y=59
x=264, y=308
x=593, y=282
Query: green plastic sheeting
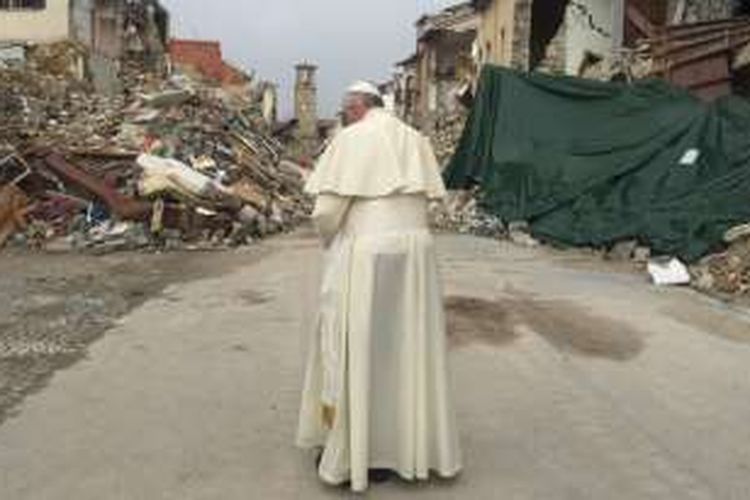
x=589, y=163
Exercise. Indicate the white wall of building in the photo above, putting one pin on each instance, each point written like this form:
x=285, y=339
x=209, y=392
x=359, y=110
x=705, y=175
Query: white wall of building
x=580, y=37
x=44, y=25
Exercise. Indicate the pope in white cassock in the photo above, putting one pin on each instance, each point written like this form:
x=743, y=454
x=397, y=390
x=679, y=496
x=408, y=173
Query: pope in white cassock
x=376, y=395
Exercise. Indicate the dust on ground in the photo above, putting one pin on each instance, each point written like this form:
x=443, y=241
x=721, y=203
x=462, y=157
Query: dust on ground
x=53, y=306
x=565, y=325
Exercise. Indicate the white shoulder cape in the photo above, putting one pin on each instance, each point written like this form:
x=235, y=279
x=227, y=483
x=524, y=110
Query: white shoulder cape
x=378, y=156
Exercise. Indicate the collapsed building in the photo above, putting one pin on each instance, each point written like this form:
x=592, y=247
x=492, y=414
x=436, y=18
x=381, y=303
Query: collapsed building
x=105, y=145
x=112, y=36
x=428, y=85
x=535, y=161
x=443, y=60
x=700, y=45
x=644, y=156
x=695, y=44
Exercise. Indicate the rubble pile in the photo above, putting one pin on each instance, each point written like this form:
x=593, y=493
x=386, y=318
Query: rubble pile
x=627, y=64
x=446, y=134
x=41, y=92
x=168, y=163
x=461, y=214
x=727, y=272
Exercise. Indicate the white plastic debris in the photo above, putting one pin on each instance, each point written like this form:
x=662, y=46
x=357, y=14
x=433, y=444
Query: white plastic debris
x=668, y=272
x=690, y=157
x=165, y=174
x=13, y=55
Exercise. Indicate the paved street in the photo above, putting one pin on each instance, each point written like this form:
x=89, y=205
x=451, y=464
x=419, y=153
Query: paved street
x=573, y=379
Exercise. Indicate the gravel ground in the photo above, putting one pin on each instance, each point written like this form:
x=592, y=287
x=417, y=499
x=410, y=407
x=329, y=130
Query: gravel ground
x=53, y=306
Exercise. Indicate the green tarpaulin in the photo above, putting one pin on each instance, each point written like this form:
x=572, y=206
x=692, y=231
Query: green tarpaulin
x=592, y=163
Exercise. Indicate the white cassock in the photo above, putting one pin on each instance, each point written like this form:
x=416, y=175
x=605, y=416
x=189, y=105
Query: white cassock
x=376, y=390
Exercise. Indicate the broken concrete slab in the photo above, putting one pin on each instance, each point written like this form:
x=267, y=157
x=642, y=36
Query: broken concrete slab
x=12, y=55
x=737, y=233
x=166, y=98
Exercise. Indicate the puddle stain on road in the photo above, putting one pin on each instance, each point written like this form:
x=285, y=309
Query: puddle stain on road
x=477, y=320
x=565, y=325
x=254, y=297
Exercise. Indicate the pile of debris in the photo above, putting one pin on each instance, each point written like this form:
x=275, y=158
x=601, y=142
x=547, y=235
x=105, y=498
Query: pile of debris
x=461, y=214
x=625, y=64
x=41, y=89
x=447, y=133
x=727, y=272
x=169, y=163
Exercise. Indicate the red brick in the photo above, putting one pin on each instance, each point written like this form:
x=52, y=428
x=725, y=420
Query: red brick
x=203, y=56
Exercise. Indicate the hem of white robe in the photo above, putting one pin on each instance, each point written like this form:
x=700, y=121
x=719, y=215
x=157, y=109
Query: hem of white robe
x=410, y=476
x=337, y=479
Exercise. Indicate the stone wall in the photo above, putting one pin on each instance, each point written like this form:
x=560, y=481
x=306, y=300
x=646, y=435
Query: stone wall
x=447, y=133
x=496, y=32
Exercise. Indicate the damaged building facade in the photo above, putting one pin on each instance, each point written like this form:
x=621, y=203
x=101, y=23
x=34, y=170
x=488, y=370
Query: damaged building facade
x=551, y=35
x=692, y=43
x=35, y=20
x=561, y=35
x=700, y=45
x=110, y=33
x=428, y=85
x=165, y=159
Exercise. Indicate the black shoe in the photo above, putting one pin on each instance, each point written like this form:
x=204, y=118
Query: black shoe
x=379, y=475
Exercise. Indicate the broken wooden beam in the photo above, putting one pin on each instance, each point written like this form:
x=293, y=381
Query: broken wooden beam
x=119, y=205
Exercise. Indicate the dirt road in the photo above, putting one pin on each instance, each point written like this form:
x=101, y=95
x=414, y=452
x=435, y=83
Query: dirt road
x=573, y=380
x=53, y=306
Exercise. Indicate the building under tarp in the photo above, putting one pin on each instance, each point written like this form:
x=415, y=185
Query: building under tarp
x=590, y=163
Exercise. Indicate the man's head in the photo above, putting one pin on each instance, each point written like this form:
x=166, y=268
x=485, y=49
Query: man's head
x=360, y=98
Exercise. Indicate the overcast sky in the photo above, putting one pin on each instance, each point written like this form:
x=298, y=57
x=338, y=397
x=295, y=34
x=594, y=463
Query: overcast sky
x=348, y=39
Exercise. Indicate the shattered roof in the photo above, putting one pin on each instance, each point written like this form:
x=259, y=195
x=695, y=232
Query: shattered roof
x=461, y=17
x=412, y=59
